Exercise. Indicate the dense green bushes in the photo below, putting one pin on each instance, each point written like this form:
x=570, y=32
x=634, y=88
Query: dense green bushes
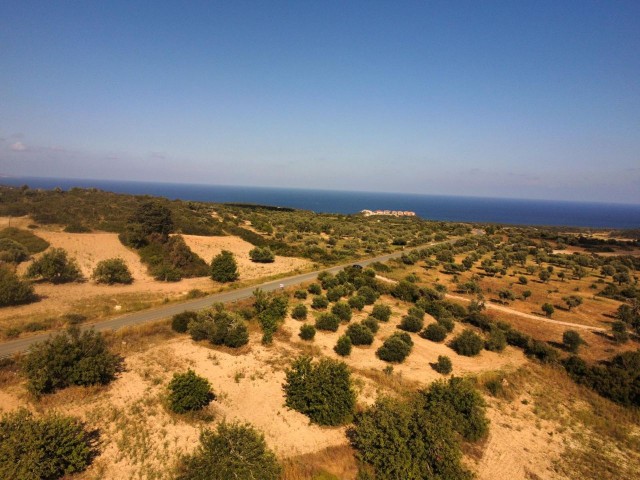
x=299, y=312
x=443, y=365
x=188, y=392
x=381, y=312
x=417, y=439
x=395, y=348
x=220, y=328
x=359, y=334
x=26, y=239
x=262, y=255
x=321, y=390
x=307, y=332
x=12, y=251
x=467, y=343
x=46, y=448
x=14, y=291
x=69, y=358
x=56, y=267
x=180, y=321
x=328, y=322
x=343, y=346
x=224, y=267
x=112, y=270
x=342, y=310
x=233, y=451
x=411, y=323
x=434, y=332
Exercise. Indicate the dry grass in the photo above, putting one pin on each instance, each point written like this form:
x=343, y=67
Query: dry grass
x=331, y=463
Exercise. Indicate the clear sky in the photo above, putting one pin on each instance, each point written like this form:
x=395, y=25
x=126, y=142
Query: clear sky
x=528, y=99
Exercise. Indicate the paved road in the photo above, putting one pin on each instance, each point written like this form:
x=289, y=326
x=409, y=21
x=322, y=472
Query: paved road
x=15, y=346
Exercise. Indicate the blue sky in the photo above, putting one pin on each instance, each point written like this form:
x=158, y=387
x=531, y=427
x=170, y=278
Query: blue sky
x=504, y=99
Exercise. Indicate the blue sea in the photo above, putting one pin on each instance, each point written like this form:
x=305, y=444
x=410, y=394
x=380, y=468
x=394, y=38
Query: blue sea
x=430, y=207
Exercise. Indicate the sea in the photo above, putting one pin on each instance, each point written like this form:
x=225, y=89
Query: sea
x=430, y=207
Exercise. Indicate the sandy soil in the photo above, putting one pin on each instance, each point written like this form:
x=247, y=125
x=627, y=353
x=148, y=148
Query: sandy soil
x=209, y=247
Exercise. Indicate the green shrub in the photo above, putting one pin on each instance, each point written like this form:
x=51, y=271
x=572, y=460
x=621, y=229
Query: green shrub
x=112, y=270
x=359, y=334
x=395, y=348
x=342, y=310
x=381, y=312
x=372, y=324
x=76, y=228
x=497, y=340
x=224, y=267
x=434, y=332
x=406, y=291
x=343, y=346
x=56, y=267
x=357, y=303
x=516, y=338
x=69, y=358
x=300, y=294
x=443, y=365
x=322, y=391
x=307, y=332
x=262, y=255
x=180, y=321
x=299, y=312
x=368, y=294
x=14, y=291
x=188, y=392
x=319, y=302
x=447, y=323
x=220, y=328
x=572, y=340
x=29, y=240
x=416, y=312
x=12, y=251
x=410, y=323
x=314, y=289
x=233, y=451
x=328, y=321
x=336, y=293
x=541, y=351
x=50, y=447
x=467, y=343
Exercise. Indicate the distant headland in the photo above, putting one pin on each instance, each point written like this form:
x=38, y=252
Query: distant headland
x=393, y=213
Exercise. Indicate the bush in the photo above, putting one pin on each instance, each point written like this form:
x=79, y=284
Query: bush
x=572, y=340
x=406, y=291
x=395, y=348
x=434, y=332
x=14, y=291
x=319, y=302
x=112, y=270
x=76, y=228
x=343, y=346
x=328, y=321
x=359, y=334
x=314, y=289
x=50, y=447
x=224, y=267
x=443, y=365
x=69, y=358
x=497, y=340
x=381, y=312
x=307, y=332
x=12, y=251
x=372, y=324
x=368, y=294
x=55, y=267
x=541, y=351
x=300, y=294
x=299, y=312
x=322, y=391
x=220, y=328
x=27, y=239
x=188, y=392
x=467, y=343
x=233, y=451
x=336, y=293
x=342, y=310
x=548, y=309
x=262, y=255
x=447, y=323
x=410, y=323
x=357, y=303
x=180, y=321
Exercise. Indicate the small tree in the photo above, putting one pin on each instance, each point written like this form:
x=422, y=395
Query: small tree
x=411, y=323
x=395, y=348
x=443, y=365
x=299, y=312
x=526, y=294
x=343, y=346
x=55, y=267
x=50, y=447
x=544, y=276
x=328, y=321
x=434, y=332
x=112, y=270
x=307, y=332
x=356, y=302
x=300, y=294
x=572, y=301
x=548, y=309
x=314, y=289
x=233, y=451
x=319, y=302
x=322, y=391
x=467, y=343
x=342, y=310
x=359, y=334
x=619, y=332
x=497, y=340
x=188, y=392
x=224, y=267
x=262, y=255
x=372, y=324
x=572, y=340
x=382, y=312
x=180, y=321
x=14, y=291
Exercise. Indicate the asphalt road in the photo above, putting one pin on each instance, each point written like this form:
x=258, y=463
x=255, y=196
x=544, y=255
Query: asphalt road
x=13, y=347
